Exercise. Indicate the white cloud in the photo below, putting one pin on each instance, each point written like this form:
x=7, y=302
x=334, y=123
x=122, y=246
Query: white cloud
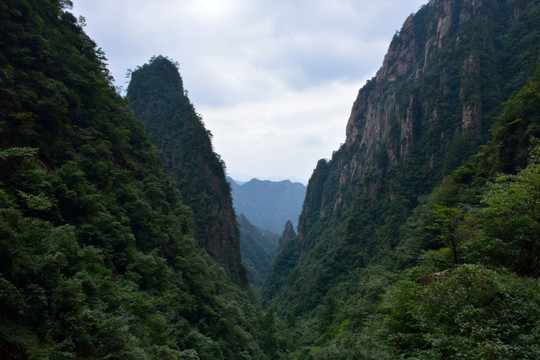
x=275, y=81
x=289, y=131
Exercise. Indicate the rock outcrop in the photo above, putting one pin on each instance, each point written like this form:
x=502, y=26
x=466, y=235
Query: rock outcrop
x=288, y=234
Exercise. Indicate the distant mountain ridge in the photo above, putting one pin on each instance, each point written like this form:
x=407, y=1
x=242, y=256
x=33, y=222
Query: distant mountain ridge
x=242, y=178
x=268, y=204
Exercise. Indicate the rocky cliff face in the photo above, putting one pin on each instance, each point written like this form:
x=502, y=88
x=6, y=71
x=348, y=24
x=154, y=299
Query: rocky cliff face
x=430, y=91
x=429, y=107
x=156, y=96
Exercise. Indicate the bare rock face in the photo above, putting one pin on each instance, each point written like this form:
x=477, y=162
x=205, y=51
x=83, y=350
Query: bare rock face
x=471, y=100
x=411, y=54
x=429, y=91
x=407, y=59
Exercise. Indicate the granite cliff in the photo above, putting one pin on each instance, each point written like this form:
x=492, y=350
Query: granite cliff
x=429, y=108
x=432, y=102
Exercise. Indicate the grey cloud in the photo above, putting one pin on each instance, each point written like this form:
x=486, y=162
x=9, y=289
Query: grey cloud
x=238, y=54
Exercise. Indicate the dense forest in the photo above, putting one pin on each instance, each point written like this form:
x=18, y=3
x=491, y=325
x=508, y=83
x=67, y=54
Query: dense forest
x=98, y=253
x=418, y=239
x=156, y=96
x=258, y=247
x=463, y=281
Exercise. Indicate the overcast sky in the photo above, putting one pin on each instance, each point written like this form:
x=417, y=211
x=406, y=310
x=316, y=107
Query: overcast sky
x=273, y=80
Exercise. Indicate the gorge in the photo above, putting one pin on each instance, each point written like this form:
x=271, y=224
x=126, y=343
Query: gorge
x=418, y=238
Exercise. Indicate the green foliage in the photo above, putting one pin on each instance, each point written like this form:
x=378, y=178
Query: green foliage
x=476, y=308
x=449, y=226
x=98, y=258
x=458, y=212
x=510, y=219
x=469, y=313
x=156, y=96
x=258, y=249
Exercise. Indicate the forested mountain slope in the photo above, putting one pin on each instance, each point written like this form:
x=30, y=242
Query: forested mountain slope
x=258, y=248
x=269, y=204
x=429, y=107
x=156, y=96
x=98, y=257
x=426, y=112
x=467, y=265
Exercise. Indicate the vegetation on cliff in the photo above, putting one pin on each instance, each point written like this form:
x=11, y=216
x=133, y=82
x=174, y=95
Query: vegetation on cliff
x=463, y=281
x=258, y=248
x=369, y=222
x=98, y=257
x=157, y=97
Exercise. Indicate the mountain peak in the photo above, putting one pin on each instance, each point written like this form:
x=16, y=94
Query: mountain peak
x=156, y=97
x=288, y=234
x=160, y=71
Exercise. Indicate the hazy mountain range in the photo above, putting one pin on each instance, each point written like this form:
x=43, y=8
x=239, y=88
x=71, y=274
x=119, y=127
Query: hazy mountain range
x=268, y=204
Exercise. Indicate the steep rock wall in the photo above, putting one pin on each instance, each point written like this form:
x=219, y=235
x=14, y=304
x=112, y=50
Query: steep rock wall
x=407, y=102
x=428, y=108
